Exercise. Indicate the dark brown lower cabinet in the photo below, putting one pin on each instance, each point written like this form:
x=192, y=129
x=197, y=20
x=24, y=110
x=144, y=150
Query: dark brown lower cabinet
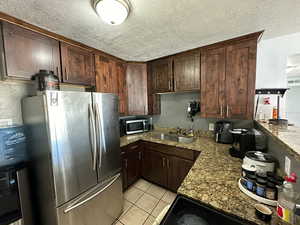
x=178, y=168
x=166, y=165
x=161, y=164
x=154, y=167
x=131, y=164
x=165, y=170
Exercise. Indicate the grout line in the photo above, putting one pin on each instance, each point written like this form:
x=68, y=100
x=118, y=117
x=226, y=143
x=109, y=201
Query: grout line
x=146, y=219
x=145, y=192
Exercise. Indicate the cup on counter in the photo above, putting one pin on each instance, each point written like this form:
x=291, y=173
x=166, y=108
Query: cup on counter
x=263, y=212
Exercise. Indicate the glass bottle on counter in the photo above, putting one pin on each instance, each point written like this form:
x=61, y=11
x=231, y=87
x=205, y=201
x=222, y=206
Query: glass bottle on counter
x=287, y=197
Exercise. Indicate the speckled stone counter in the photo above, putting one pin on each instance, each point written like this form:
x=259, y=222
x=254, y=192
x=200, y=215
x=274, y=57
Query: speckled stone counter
x=289, y=137
x=213, y=178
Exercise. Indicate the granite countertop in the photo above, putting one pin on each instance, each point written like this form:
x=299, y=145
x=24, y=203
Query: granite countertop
x=289, y=137
x=213, y=178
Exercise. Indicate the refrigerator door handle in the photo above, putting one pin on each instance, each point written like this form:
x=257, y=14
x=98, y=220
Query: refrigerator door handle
x=99, y=129
x=76, y=204
x=93, y=136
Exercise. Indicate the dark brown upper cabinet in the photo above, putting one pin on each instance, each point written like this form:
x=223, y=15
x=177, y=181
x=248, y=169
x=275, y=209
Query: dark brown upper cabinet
x=25, y=52
x=186, y=70
x=77, y=65
x=111, y=78
x=106, y=75
x=122, y=88
x=177, y=73
x=213, y=83
x=136, y=79
x=240, y=79
x=162, y=74
x=228, y=80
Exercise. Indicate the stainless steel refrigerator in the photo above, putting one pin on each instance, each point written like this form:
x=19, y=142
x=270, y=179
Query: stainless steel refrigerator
x=74, y=145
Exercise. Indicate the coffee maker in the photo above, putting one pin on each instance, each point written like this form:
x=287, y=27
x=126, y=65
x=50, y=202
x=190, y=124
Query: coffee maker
x=222, y=132
x=245, y=140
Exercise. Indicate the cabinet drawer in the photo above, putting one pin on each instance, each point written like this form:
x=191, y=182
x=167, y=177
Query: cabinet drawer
x=131, y=147
x=171, y=150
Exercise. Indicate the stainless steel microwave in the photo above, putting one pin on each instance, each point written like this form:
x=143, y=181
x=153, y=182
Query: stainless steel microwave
x=134, y=126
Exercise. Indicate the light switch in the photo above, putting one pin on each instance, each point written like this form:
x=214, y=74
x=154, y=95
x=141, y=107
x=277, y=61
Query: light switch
x=211, y=126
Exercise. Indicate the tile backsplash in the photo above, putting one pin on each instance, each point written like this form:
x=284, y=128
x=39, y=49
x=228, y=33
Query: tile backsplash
x=11, y=94
x=174, y=113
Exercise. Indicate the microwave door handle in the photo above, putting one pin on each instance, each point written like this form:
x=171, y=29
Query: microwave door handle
x=144, y=125
x=93, y=136
x=99, y=133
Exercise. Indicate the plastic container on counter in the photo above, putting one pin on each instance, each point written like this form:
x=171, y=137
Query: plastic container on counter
x=271, y=191
x=261, y=175
x=251, y=185
x=261, y=185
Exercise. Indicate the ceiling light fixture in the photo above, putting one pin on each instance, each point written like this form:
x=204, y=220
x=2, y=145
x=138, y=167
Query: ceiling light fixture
x=113, y=12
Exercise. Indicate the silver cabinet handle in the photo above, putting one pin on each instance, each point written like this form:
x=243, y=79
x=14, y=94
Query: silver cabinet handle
x=227, y=111
x=66, y=74
x=93, y=136
x=164, y=163
x=169, y=83
x=168, y=163
x=79, y=203
x=140, y=155
x=221, y=110
x=99, y=133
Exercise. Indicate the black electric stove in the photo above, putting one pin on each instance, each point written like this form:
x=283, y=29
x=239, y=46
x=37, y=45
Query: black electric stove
x=185, y=211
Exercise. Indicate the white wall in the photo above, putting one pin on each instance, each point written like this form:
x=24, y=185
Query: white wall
x=272, y=57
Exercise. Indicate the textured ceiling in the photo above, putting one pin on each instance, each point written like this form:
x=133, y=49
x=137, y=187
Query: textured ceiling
x=157, y=28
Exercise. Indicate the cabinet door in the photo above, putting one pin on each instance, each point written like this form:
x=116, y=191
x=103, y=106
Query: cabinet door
x=154, y=104
x=162, y=75
x=124, y=170
x=27, y=52
x=154, y=167
x=213, y=83
x=106, y=75
x=122, y=88
x=187, y=71
x=240, y=79
x=133, y=166
x=77, y=65
x=136, y=79
x=178, y=168
x=153, y=99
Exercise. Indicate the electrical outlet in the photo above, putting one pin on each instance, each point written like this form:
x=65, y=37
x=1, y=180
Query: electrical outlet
x=211, y=126
x=5, y=122
x=287, y=166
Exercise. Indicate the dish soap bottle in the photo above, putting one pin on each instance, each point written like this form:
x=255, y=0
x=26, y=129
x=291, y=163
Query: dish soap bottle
x=287, y=197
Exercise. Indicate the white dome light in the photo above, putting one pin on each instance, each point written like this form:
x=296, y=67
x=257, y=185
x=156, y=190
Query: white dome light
x=113, y=12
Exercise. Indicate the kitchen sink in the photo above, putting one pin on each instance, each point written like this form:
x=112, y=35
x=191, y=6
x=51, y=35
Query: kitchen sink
x=173, y=137
x=185, y=211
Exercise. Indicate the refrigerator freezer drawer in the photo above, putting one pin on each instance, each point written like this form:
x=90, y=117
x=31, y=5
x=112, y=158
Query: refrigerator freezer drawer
x=100, y=205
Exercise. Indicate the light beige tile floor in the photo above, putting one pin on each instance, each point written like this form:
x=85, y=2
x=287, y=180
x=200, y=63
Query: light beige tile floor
x=143, y=202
